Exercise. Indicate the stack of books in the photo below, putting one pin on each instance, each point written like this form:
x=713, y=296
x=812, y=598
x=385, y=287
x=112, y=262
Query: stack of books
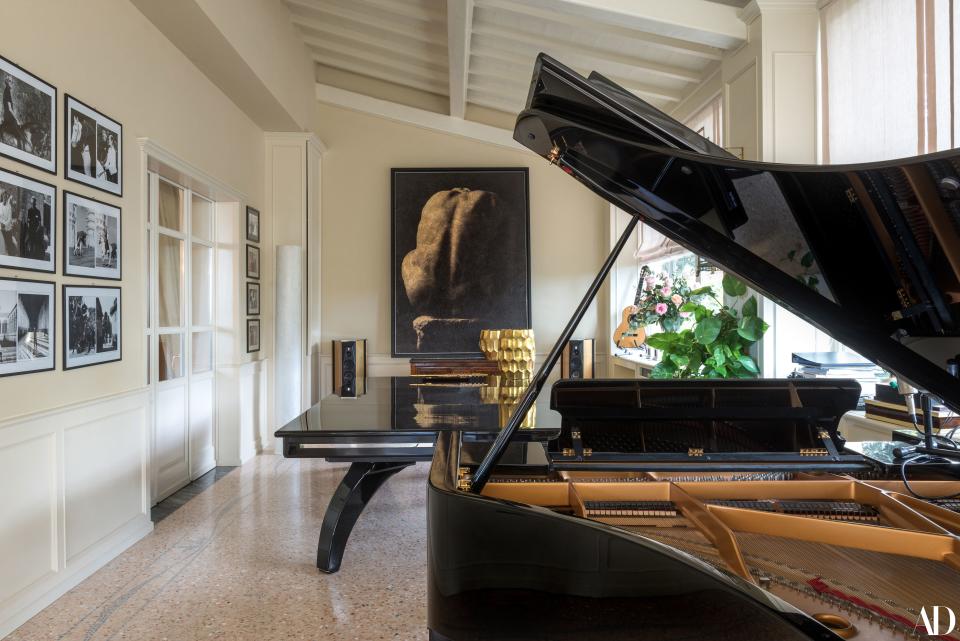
x=840, y=365
x=888, y=406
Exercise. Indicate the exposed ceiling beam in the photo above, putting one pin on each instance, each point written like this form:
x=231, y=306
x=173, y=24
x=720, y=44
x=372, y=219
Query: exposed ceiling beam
x=528, y=40
x=386, y=8
x=459, y=30
x=492, y=101
x=418, y=117
x=380, y=73
x=697, y=21
x=376, y=55
x=415, y=31
x=402, y=44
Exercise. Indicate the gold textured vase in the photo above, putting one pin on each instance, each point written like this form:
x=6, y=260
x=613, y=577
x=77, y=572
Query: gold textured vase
x=509, y=398
x=490, y=343
x=517, y=353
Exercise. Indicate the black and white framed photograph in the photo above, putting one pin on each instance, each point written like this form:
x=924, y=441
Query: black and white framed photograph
x=253, y=335
x=27, y=323
x=92, y=238
x=28, y=117
x=28, y=223
x=253, y=262
x=92, y=320
x=253, y=299
x=94, y=147
x=460, y=258
x=253, y=225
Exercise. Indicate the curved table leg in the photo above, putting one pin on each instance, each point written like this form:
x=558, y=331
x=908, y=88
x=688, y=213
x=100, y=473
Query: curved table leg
x=354, y=492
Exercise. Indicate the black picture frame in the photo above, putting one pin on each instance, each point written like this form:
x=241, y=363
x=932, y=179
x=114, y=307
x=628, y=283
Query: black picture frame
x=48, y=162
x=253, y=250
x=253, y=287
x=50, y=360
x=100, y=121
x=29, y=264
x=505, y=291
x=81, y=362
x=253, y=323
x=253, y=215
x=100, y=273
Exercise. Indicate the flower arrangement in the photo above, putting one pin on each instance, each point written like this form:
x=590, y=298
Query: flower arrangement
x=718, y=345
x=660, y=298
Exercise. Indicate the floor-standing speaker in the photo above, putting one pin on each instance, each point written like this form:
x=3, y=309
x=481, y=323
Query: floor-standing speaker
x=577, y=360
x=350, y=367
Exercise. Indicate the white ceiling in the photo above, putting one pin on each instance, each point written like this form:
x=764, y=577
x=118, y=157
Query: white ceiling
x=481, y=52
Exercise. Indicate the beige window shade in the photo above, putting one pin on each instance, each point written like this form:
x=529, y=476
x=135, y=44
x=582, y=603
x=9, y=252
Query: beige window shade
x=653, y=246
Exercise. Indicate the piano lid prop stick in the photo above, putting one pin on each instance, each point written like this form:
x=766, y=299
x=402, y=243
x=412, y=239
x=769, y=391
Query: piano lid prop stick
x=490, y=461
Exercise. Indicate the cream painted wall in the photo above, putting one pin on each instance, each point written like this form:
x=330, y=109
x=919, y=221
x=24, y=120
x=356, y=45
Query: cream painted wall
x=568, y=226
x=107, y=54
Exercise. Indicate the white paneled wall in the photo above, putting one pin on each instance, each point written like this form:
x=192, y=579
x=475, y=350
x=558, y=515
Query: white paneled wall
x=74, y=494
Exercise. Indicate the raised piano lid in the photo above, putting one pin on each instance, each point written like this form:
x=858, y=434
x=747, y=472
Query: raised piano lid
x=868, y=253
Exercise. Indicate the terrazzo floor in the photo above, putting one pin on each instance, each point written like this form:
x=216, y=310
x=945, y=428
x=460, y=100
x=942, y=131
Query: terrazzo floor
x=237, y=562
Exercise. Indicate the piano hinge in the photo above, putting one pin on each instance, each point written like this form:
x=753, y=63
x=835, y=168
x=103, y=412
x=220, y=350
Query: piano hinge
x=695, y=451
x=851, y=195
x=567, y=451
x=587, y=451
x=464, y=485
x=823, y=435
x=814, y=451
x=554, y=155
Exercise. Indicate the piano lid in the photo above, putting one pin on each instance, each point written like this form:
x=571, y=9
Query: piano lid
x=868, y=253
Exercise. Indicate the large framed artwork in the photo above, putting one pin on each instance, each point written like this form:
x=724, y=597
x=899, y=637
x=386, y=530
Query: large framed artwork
x=92, y=238
x=28, y=117
x=460, y=258
x=94, y=147
x=28, y=223
x=27, y=326
x=92, y=323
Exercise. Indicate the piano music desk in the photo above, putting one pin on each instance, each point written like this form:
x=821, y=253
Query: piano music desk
x=391, y=427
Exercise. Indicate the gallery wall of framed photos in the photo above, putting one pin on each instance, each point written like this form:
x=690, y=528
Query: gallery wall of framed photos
x=32, y=228
x=253, y=276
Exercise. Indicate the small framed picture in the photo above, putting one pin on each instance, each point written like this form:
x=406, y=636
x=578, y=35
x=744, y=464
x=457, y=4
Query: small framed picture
x=92, y=321
x=92, y=238
x=27, y=323
x=28, y=118
x=94, y=147
x=253, y=335
x=28, y=223
x=253, y=299
x=253, y=262
x=253, y=225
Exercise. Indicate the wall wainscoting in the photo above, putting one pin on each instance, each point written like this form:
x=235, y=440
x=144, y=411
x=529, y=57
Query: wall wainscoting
x=75, y=494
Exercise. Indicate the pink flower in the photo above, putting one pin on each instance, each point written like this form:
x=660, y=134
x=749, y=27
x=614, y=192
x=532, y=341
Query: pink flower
x=665, y=291
x=661, y=308
x=648, y=283
x=684, y=314
x=677, y=299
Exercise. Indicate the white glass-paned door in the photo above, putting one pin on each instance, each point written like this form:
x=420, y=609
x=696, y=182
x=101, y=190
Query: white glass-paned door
x=179, y=334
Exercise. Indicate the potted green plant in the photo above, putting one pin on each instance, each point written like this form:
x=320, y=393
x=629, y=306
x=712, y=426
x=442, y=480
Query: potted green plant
x=718, y=343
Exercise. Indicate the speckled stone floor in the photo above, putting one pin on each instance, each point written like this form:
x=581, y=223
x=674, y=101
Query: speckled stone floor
x=237, y=563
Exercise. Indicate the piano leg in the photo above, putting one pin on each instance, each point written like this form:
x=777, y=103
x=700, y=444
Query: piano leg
x=361, y=482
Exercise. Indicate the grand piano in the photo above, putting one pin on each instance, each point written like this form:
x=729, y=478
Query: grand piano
x=715, y=509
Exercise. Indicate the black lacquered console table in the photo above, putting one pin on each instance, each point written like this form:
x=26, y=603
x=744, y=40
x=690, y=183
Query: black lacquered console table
x=393, y=426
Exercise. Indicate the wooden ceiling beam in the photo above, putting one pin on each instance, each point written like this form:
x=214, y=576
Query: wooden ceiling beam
x=459, y=32
x=378, y=55
x=381, y=73
x=666, y=43
x=359, y=20
x=401, y=44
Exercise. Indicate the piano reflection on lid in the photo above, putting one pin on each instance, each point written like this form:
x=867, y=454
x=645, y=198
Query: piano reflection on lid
x=714, y=509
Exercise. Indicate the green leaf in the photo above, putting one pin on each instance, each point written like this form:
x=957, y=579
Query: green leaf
x=700, y=291
x=751, y=328
x=689, y=307
x=707, y=330
x=671, y=323
x=663, y=370
x=680, y=361
x=807, y=259
x=748, y=364
x=733, y=287
x=663, y=340
x=718, y=356
x=749, y=307
x=721, y=370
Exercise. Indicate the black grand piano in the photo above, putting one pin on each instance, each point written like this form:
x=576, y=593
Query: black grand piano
x=714, y=509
